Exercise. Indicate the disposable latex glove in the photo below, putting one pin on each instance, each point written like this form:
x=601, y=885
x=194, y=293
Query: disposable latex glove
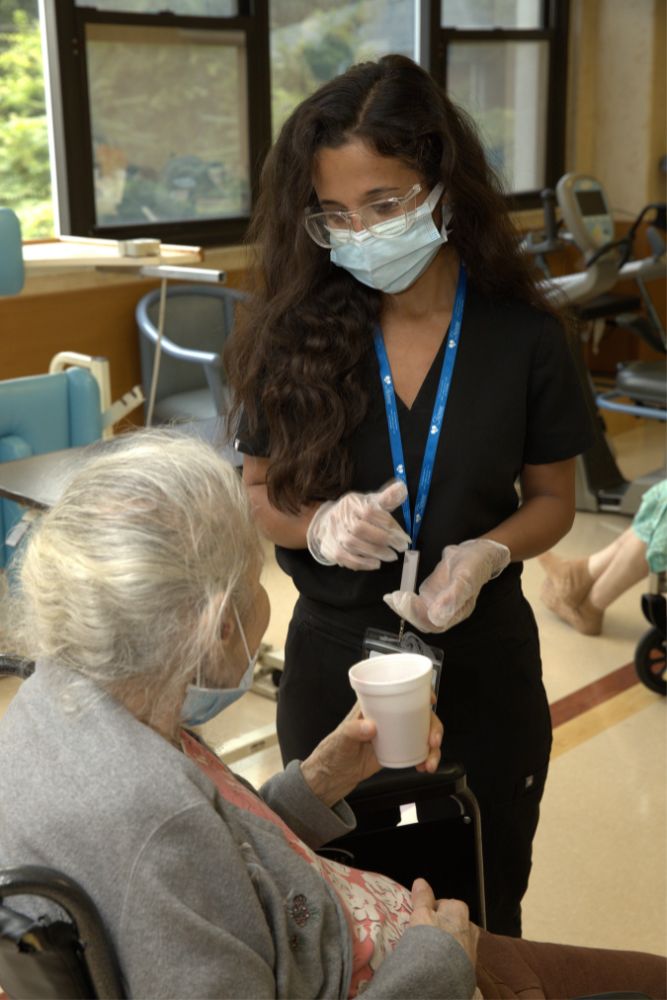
x=357, y=531
x=450, y=593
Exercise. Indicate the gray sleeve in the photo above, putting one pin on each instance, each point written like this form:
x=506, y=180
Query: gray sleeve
x=289, y=795
x=192, y=925
x=426, y=963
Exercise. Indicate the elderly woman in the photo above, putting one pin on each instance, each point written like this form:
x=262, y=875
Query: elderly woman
x=141, y=599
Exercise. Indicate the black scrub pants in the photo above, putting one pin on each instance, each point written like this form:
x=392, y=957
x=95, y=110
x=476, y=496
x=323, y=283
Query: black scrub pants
x=496, y=721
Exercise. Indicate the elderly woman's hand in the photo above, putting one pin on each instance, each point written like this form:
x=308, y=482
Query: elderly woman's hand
x=346, y=756
x=450, y=915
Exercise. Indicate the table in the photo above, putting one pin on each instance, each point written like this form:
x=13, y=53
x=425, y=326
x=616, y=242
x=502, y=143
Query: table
x=39, y=481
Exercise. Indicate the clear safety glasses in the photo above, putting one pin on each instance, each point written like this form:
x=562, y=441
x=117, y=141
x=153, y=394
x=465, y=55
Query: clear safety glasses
x=386, y=219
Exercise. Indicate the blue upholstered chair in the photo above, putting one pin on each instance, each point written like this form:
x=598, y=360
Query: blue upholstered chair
x=43, y=413
x=11, y=253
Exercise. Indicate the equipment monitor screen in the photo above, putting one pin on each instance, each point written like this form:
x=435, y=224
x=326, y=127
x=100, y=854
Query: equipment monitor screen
x=591, y=202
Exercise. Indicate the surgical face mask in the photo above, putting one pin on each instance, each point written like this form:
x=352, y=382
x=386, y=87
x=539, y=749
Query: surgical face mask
x=202, y=703
x=393, y=263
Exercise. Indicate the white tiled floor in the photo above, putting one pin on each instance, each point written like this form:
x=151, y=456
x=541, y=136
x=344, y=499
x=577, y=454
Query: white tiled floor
x=600, y=852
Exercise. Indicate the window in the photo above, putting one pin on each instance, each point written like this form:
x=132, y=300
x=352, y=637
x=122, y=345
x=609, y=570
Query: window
x=504, y=61
x=163, y=110
x=152, y=102
x=182, y=154
x=25, y=182
x=311, y=43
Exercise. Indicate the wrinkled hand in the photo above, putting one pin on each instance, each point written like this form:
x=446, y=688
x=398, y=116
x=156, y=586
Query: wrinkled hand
x=357, y=531
x=449, y=915
x=346, y=756
x=450, y=593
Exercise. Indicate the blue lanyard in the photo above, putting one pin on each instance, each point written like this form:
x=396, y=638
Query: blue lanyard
x=437, y=418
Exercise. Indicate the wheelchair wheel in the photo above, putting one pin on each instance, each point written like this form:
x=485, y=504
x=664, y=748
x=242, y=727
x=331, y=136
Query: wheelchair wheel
x=651, y=661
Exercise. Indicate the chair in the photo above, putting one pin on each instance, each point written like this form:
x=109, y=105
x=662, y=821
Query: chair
x=11, y=253
x=48, y=958
x=449, y=827
x=198, y=319
x=44, y=413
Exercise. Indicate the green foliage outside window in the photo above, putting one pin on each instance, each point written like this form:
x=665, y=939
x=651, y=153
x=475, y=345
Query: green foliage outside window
x=25, y=183
x=313, y=42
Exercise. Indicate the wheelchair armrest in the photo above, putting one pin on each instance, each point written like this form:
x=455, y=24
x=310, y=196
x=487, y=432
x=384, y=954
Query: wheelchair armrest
x=181, y=353
x=390, y=788
x=100, y=958
x=15, y=666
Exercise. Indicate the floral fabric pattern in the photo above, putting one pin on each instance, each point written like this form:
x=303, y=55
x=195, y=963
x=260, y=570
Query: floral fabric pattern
x=376, y=908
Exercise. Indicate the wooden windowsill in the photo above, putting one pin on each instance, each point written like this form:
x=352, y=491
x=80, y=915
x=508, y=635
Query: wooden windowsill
x=227, y=258
x=67, y=279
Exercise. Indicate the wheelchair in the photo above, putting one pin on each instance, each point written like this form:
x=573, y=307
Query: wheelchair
x=651, y=651
x=43, y=959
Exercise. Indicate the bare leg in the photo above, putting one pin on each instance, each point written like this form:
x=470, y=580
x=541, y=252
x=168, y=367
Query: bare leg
x=580, y=590
x=569, y=583
x=599, y=561
x=627, y=567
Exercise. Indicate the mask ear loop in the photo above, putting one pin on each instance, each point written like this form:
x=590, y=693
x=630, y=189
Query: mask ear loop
x=198, y=674
x=242, y=632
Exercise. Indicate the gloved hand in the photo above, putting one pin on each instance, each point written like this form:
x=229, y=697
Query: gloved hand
x=450, y=593
x=357, y=531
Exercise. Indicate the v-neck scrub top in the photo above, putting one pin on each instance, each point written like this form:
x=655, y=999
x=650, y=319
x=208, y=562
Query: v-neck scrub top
x=515, y=399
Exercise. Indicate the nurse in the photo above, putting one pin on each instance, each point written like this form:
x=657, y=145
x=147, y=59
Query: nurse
x=397, y=372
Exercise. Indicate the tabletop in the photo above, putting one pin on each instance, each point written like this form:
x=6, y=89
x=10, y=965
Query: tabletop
x=39, y=481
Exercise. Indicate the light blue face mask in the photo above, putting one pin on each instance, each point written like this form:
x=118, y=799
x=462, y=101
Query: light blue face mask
x=202, y=703
x=393, y=263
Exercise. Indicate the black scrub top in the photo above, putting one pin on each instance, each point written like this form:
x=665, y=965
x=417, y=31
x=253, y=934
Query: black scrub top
x=515, y=399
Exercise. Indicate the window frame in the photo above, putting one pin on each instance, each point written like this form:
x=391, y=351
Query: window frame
x=64, y=26
x=72, y=149
x=555, y=18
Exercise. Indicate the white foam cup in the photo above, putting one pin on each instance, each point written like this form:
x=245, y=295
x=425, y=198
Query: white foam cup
x=395, y=691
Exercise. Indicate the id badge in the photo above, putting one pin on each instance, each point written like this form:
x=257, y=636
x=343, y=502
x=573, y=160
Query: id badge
x=378, y=643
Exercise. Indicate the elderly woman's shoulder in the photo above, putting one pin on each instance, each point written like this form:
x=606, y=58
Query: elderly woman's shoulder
x=66, y=734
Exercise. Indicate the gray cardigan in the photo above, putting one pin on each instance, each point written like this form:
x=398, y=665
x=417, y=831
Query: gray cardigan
x=196, y=893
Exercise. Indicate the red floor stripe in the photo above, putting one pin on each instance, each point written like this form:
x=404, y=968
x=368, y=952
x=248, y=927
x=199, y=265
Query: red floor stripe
x=593, y=694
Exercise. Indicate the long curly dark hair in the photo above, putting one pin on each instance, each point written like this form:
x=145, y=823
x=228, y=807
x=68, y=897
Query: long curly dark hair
x=295, y=361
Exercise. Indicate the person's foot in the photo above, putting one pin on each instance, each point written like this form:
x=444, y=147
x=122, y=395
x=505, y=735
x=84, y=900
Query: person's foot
x=567, y=579
x=585, y=617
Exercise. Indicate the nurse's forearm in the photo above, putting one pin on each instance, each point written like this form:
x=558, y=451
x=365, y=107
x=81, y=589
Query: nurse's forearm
x=288, y=530
x=546, y=514
x=535, y=527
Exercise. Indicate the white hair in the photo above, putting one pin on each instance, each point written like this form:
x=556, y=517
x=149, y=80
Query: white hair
x=127, y=577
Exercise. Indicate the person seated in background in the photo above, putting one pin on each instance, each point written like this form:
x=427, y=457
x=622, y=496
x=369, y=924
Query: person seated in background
x=579, y=591
x=139, y=595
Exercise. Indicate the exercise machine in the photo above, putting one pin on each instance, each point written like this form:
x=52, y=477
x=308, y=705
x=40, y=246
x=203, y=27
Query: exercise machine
x=588, y=225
